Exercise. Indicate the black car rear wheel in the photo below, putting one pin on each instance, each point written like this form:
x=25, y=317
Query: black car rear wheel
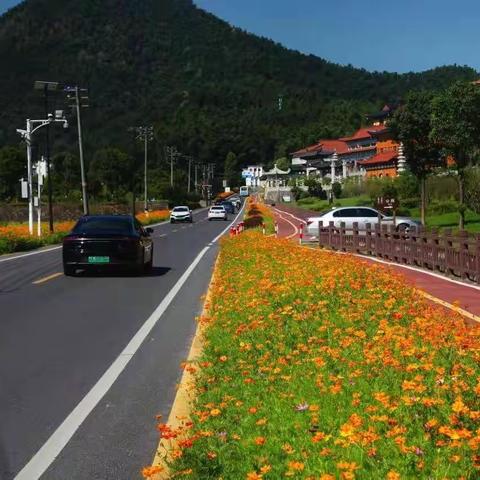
x=69, y=271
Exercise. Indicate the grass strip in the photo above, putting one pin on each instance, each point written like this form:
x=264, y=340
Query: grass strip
x=320, y=366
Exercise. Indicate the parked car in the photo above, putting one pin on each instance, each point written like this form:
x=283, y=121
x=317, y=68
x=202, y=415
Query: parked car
x=361, y=215
x=217, y=212
x=105, y=241
x=229, y=207
x=181, y=214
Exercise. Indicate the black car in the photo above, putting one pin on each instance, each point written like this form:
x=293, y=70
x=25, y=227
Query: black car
x=101, y=241
x=229, y=207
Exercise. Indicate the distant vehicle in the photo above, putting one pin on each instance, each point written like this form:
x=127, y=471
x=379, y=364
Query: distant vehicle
x=244, y=191
x=236, y=201
x=217, y=212
x=229, y=207
x=361, y=215
x=105, y=241
x=181, y=214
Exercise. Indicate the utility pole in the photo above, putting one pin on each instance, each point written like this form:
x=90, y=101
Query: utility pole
x=144, y=133
x=46, y=88
x=172, y=152
x=80, y=102
x=189, y=158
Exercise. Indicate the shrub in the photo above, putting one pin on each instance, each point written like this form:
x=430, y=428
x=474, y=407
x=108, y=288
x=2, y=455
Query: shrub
x=337, y=190
x=445, y=206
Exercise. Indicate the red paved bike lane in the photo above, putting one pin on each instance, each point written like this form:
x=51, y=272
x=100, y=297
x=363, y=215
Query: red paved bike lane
x=464, y=295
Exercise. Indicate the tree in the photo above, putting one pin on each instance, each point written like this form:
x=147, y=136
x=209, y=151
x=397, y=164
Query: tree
x=412, y=125
x=283, y=163
x=472, y=188
x=109, y=173
x=456, y=127
x=12, y=168
x=231, y=170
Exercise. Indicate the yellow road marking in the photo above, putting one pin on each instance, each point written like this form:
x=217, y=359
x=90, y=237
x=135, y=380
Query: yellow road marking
x=46, y=279
x=459, y=310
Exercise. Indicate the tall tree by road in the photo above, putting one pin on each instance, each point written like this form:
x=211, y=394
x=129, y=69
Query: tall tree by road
x=456, y=126
x=412, y=125
x=12, y=168
x=231, y=173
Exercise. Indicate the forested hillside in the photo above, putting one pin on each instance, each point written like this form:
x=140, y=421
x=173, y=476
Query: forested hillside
x=209, y=88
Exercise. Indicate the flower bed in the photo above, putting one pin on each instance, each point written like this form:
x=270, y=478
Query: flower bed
x=319, y=366
x=155, y=216
x=257, y=214
x=14, y=237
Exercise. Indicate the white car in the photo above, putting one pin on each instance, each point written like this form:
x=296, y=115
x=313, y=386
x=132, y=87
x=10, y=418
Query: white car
x=217, y=212
x=181, y=214
x=361, y=215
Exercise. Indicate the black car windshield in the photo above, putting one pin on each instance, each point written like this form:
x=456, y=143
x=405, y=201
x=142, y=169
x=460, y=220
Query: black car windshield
x=181, y=209
x=103, y=226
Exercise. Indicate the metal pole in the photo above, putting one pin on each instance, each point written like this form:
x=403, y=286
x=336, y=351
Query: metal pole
x=47, y=154
x=145, y=174
x=196, y=178
x=80, y=147
x=189, y=172
x=29, y=176
x=171, y=166
x=39, y=193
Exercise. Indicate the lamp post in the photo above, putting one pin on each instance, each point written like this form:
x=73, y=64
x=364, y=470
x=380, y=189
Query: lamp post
x=46, y=88
x=27, y=135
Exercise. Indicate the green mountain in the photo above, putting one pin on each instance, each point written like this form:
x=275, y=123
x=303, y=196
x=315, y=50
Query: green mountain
x=208, y=87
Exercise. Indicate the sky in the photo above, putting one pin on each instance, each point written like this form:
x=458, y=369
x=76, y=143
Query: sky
x=392, y=35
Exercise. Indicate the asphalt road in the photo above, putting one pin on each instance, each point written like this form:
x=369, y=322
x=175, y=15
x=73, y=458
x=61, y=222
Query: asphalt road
x=58, y=338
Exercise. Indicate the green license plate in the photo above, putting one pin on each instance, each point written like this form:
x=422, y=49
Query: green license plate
x=98, y=259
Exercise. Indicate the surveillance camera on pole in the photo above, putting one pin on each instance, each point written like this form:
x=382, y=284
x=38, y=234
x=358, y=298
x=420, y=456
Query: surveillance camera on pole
x=27, y=136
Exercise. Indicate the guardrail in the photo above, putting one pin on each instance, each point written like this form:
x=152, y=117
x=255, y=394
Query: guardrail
x=456, y=254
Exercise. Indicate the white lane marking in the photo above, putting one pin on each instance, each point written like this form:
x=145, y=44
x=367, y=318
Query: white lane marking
x=62, y=435
x=296, y=231
x=50, y=450
x=408, y=267
x=31, y=253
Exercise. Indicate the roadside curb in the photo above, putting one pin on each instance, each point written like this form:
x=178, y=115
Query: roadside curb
x=181, y=406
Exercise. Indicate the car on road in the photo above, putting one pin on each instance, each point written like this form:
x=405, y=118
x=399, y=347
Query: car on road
x=106, y=241
x=361, y=215
x=217, y=212
x=229, y=207
x=181, y=214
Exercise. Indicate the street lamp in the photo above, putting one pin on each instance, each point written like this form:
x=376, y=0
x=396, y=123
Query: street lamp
x=47, y=88
x=27, y=136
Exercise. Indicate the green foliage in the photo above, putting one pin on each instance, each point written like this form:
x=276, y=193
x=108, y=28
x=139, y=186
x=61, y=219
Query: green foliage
x=231, y=170
x=12, y=168
x=337, y=189
x=412, y=125
x=110, y=173
x=472, y=188
x=315, y=188
x=208, y=89
x=283, y=163
x=455, y=125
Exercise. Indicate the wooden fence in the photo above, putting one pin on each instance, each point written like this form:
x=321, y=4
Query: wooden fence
x=454, y=254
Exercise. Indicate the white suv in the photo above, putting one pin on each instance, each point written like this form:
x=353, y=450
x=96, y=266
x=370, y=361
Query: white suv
x=217, y=212
x=181, y=214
